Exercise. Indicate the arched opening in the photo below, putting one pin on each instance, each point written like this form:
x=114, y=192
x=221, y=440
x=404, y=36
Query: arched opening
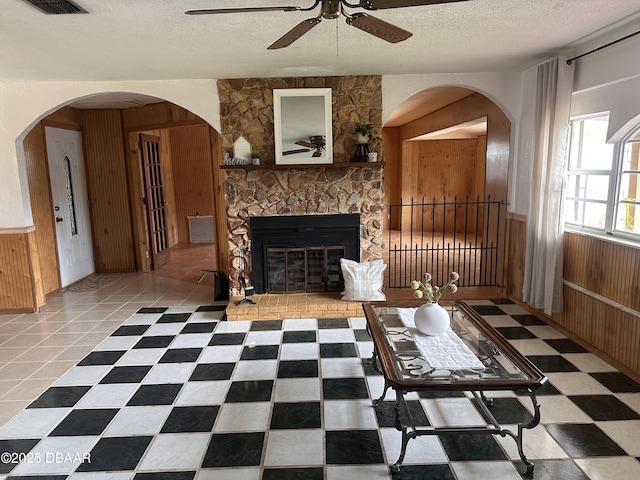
x=447, y=150
x=126, y=192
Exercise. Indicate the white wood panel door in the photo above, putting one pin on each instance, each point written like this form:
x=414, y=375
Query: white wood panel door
x=70, y=204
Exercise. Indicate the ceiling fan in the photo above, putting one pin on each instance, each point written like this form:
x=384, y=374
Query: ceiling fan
x=316, y=142
x=331, y=9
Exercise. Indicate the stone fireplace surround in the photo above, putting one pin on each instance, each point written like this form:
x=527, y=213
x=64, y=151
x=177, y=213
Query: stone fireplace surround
x=246, y=108
x=302, y=191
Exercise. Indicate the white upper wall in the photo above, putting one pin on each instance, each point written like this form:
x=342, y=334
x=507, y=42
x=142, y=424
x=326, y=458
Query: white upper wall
x=520, y=168
x=605, y=81
x=609, y=81
x=22, y=105
x=502, y=88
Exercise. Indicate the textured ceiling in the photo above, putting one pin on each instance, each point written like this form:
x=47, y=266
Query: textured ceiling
x=154, y=39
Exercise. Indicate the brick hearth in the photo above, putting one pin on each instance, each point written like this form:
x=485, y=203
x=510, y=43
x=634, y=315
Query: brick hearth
x=329, y=305
x=300, y=305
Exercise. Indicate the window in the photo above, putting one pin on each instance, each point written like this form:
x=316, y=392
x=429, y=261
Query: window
x=628, y=206
x=70, y=200
x=603, y=179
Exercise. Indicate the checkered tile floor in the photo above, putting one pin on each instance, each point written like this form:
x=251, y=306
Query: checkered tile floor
x=177, y=393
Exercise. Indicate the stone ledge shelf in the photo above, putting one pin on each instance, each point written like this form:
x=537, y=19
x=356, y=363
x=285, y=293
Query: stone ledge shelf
x=304, y=166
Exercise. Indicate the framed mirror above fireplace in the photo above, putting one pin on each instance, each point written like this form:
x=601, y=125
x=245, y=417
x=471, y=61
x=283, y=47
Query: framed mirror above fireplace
x=302, y=126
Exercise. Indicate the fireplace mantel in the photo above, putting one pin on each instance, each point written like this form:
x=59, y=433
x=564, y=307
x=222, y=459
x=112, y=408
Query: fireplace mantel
x=305, y=166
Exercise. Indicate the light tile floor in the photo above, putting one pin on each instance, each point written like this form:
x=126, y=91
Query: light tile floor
x=172, y=392
x=36, y=348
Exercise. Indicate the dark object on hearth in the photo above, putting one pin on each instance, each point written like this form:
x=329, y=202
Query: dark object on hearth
x=220, y=285
x=332, y=9
x=248, y=292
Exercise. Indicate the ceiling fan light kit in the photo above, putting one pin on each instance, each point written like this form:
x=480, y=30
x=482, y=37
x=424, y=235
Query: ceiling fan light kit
x=332, y=9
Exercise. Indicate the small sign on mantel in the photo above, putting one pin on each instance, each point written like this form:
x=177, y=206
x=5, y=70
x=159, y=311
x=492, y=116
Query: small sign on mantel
x=242, y=149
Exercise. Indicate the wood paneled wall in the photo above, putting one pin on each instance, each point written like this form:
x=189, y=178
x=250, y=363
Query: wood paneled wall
x=42, y=207
x=609, y=330
x=108, y=190
x=157, y=116
x=498, y=138
x=220, y=217
x=392, y=181
x=610, y=270
x=438, y=169
x=67, y=117
x=192, y=175
x=514, y=262
x=606, y=271
x=443, y=168
x=607, y=268
x=20, y=275
x=169, y=184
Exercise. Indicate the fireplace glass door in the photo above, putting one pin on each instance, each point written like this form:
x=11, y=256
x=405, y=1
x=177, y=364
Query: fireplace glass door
x=304, y=269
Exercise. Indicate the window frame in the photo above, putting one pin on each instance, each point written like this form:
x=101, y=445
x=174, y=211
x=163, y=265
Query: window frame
x=613, y=202
x=619, y=151
x=611, y=173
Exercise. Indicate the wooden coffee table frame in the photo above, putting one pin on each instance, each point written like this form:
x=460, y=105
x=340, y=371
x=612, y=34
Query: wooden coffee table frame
x=386, y=362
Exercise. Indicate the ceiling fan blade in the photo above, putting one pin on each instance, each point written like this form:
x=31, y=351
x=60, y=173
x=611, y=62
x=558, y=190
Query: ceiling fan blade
x=241, y=10
x=305, y=144
x=382, y=4
x=291, y=152
x=294, y=34
x=377, y=27
x=316, y=154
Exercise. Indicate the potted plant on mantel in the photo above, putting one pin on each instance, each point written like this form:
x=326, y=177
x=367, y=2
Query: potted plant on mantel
x=364, y=131
x=365, y=137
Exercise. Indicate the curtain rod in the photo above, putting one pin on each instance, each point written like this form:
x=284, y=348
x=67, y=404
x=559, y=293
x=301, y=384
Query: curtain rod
x=603, y=46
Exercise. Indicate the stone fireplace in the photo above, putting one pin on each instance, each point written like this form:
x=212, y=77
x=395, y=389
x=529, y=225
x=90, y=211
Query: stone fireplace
x=348, y=192
x=269, y=190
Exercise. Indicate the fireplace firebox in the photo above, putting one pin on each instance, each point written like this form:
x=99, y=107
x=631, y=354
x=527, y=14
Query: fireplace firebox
x=293, y=254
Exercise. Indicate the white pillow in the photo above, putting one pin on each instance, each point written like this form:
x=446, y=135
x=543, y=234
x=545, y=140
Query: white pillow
x=362, y=281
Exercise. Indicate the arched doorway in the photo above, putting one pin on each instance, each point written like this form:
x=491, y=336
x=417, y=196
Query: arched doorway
x=447, y=148
x=120, y=222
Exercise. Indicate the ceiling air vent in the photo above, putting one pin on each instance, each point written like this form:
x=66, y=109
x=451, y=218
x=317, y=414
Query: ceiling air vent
x=56, y=7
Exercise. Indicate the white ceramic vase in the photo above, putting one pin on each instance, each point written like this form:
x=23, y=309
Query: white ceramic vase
x=431, y=319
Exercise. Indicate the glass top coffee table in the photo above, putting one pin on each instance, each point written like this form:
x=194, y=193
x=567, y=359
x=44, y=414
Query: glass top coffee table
x=472, y=357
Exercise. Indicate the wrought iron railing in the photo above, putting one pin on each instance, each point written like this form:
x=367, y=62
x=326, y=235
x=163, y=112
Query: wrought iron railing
x=442, y=236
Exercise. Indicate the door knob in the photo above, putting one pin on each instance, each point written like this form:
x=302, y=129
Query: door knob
x=58, y=219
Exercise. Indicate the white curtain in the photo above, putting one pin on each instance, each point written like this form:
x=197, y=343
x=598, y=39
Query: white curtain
x=545, y=223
